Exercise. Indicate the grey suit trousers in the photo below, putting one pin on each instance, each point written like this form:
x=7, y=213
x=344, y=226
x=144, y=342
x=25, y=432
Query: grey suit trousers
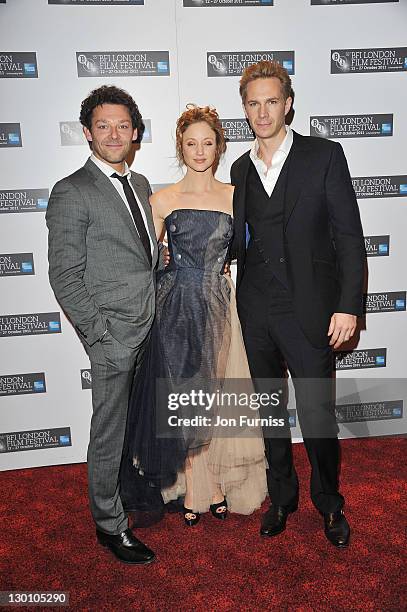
x=113, y=366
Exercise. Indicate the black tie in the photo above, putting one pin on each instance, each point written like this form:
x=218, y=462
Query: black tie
x=135, y=211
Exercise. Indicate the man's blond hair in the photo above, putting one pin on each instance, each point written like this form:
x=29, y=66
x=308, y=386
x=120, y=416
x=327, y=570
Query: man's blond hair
x=265, y=70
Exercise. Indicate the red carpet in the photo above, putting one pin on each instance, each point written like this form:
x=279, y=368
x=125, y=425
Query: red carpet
x=47, y=543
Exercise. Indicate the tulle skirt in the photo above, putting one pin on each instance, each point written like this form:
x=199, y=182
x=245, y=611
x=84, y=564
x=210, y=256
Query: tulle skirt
x=196, y=343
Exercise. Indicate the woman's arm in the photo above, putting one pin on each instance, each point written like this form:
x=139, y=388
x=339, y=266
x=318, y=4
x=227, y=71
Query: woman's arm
x=158, y=217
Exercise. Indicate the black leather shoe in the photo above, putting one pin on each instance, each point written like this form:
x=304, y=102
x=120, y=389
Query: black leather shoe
x=274, y=520
x=337, y=529
x=126, y=547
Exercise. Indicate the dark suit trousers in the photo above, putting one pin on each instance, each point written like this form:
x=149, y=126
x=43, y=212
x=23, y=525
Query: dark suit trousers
x=274, y=342
x=113, y=366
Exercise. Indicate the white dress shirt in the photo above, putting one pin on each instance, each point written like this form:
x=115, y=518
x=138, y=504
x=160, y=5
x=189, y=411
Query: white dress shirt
x=108, y=171
x=269, y=176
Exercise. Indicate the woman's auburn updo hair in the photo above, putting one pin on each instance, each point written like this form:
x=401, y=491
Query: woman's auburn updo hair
x=201, y=114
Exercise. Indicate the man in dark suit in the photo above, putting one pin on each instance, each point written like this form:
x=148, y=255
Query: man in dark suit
x=102, y=255
x=299, y=286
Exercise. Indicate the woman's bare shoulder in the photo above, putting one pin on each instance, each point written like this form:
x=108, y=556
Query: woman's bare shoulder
x=227, y=188
x=162, y=195
x=163, y=199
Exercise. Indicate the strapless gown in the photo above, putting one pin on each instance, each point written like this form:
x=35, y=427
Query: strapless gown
x=195, y=342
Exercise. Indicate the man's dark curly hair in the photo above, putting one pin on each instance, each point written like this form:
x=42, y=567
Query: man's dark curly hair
x=109, y=94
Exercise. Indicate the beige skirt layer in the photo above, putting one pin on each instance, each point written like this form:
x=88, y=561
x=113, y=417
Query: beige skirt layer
x=235, y=462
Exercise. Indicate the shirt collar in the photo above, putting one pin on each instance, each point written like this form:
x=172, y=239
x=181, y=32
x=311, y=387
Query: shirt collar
x=284, y=147
x=106, y=169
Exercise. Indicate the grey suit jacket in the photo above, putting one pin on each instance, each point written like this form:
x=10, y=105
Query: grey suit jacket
x=98, y=268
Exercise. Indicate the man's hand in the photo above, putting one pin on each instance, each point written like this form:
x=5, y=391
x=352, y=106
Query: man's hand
x=341, y=328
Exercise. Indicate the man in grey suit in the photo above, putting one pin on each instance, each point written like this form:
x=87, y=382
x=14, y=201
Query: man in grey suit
x=102, y=255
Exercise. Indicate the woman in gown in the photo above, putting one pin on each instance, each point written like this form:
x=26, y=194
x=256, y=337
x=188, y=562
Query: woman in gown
x=196, y=343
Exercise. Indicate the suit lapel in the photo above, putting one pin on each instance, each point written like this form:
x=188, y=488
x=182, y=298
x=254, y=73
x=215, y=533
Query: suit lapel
x=297, y=174
x=142, y=197
x=110, y=194
x=239, y=200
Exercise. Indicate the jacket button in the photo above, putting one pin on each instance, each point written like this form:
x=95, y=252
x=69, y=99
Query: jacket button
x=282, y=260
x=178, y=256
x=172, y=228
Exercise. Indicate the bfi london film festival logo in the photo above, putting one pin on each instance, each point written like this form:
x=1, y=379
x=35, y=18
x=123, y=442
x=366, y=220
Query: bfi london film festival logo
x=71, y=133
x=369, y=411
x=337, y=2
x=16, y=264
x=86, y=378
x=380, y=186
x=203, y=3
x=18, y=65
x=351, y=126
x=99, y=2
x=10, y=135
x=237, y=130
x=232, y=63
x=385, y=59
x=30, y=324
x=391, y=301
x=361, y=359
x=377, y=246
x=122, y=63
x=22, y=384
x=23, y=200
x=36, y=439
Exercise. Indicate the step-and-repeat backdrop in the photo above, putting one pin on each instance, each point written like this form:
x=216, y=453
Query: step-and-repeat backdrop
x=348, y=61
